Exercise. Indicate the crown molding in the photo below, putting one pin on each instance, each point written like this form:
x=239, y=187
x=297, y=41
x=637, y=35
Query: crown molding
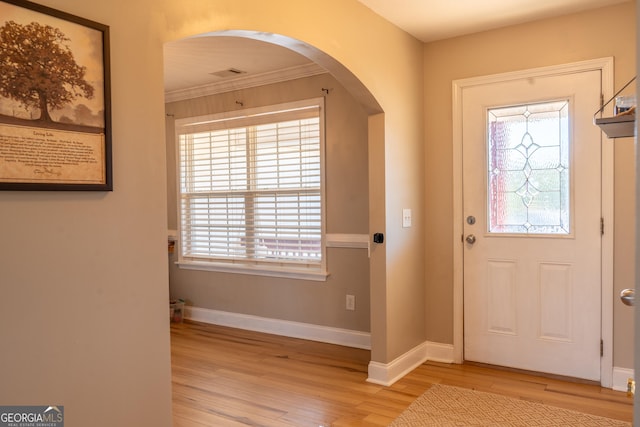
x=244, y=82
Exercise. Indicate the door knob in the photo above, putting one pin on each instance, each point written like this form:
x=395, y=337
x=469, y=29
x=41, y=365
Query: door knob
x=628, y=296
x=470, y=239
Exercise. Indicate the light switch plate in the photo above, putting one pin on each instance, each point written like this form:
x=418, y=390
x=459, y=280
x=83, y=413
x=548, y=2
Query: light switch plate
x=406, y=218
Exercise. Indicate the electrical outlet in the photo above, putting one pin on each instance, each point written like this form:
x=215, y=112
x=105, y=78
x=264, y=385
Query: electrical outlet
x=351, y=302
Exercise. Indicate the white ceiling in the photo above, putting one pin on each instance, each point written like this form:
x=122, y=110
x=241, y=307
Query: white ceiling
x=429, y=20
x=190, y=62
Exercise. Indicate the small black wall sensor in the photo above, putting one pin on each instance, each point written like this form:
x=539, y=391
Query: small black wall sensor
x=378, y=238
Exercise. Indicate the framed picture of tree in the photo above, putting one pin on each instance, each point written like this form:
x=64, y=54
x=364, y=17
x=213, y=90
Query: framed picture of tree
x=55, y=109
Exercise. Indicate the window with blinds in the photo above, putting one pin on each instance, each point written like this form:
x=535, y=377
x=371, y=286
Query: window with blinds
x=250, y=190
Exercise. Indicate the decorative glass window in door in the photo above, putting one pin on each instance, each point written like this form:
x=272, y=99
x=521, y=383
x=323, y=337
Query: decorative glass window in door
x=529, y=169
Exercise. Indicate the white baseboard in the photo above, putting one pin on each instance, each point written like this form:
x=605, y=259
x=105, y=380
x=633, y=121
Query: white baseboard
x=620, y=377
x=438, y=352
x=345, y=337
x=388, y=373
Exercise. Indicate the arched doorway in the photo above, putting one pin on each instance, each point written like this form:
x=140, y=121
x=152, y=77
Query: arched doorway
x=243, y=69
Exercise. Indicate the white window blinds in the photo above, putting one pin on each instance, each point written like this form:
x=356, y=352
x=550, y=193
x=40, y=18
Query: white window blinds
x=250, y=190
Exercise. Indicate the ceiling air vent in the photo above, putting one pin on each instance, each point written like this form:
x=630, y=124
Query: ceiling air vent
x=230, y=72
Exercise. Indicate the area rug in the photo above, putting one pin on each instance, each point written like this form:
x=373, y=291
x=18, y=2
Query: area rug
x=452, y=406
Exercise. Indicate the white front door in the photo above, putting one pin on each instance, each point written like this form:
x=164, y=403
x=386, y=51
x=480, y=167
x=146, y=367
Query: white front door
x=531, y=206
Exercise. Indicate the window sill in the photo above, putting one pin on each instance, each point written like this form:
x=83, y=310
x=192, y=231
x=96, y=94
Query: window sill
x=288, y=273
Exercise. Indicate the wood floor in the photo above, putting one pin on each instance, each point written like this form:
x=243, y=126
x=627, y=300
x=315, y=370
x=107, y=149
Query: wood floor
x=229, y=377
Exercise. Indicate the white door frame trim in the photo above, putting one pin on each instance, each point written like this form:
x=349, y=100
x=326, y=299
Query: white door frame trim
x=605, y=65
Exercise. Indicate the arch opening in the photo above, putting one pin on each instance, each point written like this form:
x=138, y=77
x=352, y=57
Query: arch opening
x=372, y=156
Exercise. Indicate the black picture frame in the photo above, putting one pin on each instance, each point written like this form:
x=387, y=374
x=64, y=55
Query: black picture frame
x=55, y=100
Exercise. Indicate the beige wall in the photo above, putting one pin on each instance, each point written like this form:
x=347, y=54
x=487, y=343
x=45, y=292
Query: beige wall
x=347, y=211
x=595, y=34
x=84, y=275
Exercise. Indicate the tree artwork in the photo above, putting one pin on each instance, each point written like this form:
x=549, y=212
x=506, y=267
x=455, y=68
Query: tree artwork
x=37, y=68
